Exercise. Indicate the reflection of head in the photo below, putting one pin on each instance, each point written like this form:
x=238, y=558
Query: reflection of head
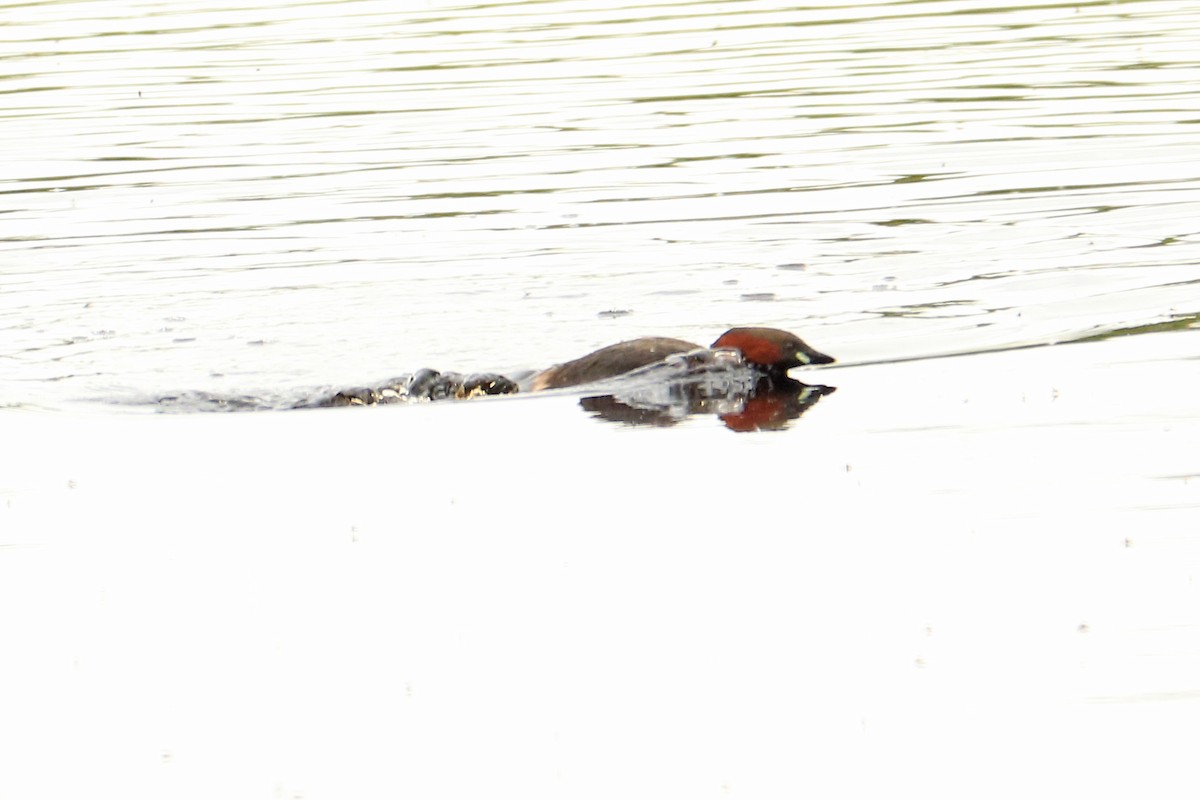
x=762, y=403
x=773, y=409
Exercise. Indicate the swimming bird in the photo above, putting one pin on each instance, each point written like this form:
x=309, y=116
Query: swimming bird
x=768, y=349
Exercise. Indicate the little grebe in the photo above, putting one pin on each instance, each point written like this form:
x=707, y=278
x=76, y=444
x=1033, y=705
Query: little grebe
x=768, y=349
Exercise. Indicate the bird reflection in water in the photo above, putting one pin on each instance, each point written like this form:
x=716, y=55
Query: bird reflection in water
x=718, y=382
x=768, y=406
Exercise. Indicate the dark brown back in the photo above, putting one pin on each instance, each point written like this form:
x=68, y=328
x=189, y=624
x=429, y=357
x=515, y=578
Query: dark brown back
x=608, y=362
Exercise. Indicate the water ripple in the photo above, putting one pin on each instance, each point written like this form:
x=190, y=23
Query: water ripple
x=367, y=189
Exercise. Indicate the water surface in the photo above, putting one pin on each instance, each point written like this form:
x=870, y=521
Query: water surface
x=953, y=574
x=246, y=197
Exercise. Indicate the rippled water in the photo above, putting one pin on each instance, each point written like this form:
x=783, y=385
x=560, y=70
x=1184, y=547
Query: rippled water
x=251, y=197
x=945, y=561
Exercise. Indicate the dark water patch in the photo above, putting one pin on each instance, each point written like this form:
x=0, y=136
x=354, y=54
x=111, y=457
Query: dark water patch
x=1178, y=323
x=892, y=223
